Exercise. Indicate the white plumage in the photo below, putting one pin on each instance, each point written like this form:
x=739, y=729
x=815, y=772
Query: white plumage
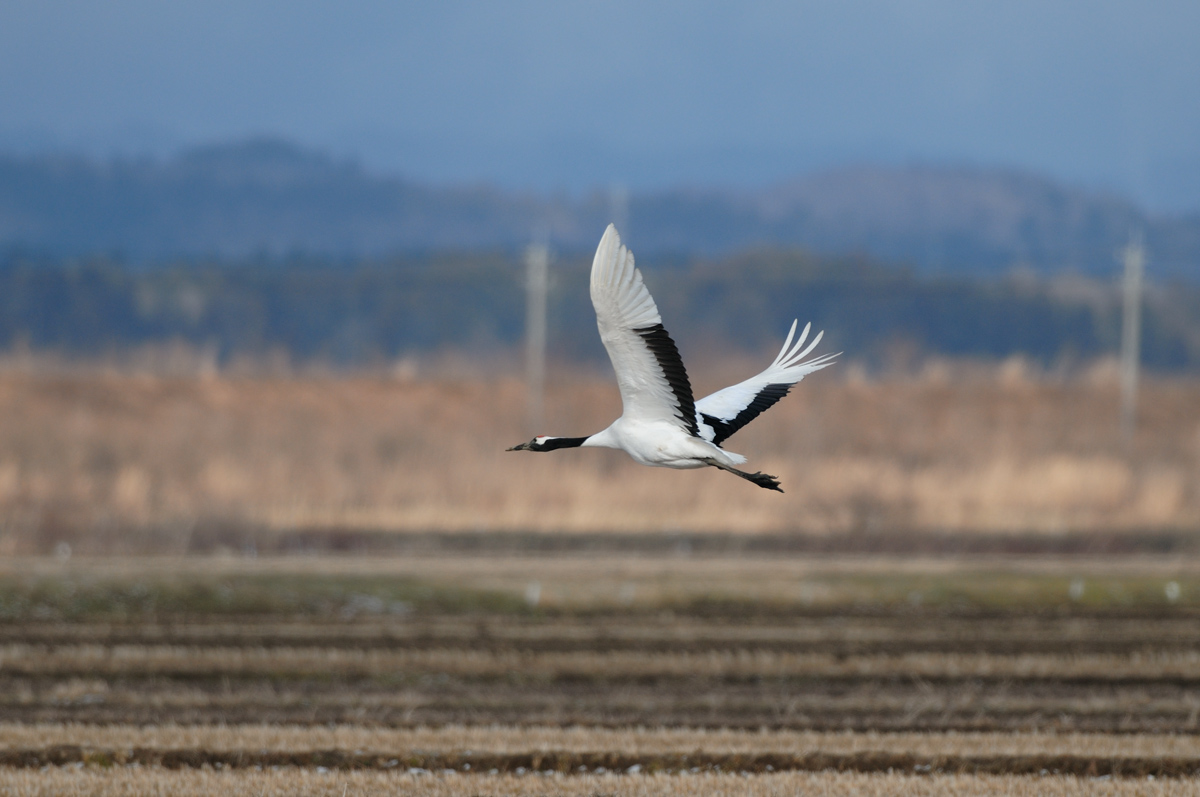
x=661, y=424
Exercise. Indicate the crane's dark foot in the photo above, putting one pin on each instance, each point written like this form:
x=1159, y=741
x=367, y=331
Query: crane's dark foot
x=764, y=480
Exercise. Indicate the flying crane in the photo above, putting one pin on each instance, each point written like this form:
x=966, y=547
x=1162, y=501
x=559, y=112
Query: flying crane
x=661, y=424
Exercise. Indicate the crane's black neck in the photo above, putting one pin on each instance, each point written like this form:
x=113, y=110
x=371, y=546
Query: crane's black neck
x=553, y=443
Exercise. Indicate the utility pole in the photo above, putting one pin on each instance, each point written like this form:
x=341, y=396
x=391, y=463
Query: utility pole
x=1134, y=256
x=537, y=267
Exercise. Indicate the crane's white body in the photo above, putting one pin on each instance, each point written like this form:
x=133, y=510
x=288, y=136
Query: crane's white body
x=661, y=424
x=661, y=444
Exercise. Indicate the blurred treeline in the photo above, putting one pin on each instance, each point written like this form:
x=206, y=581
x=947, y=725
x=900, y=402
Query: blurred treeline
x=362, y=312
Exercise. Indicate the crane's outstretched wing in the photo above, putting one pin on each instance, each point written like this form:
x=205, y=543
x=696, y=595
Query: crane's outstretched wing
x=650, y=373
x=728, y=410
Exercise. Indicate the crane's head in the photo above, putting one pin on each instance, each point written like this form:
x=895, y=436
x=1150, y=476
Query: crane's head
x=538, y=443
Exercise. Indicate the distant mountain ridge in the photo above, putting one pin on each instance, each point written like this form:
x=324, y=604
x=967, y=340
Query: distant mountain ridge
x=269, y=197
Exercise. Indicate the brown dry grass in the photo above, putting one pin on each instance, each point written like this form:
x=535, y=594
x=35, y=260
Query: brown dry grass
x=634, y=741
x=68, y=781
x=92, y=457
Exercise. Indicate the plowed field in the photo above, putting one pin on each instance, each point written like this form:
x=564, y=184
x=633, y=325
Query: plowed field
x=599, y=674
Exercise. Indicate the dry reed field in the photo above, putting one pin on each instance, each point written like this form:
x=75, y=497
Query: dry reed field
x=110, y=460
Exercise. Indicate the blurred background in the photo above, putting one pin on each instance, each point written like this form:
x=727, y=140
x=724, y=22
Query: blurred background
x=263, y=268
x=268, y=272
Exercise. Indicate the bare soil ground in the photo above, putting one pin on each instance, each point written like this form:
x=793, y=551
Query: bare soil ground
x=606, y=641
x=580, y=674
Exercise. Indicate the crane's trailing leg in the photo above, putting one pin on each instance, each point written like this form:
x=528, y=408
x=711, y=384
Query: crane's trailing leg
x=764, y=480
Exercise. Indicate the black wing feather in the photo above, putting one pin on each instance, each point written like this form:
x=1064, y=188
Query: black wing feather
x=667, y=355
x=765, y=399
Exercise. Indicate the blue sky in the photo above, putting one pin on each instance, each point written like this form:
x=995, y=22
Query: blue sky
x=576, y=95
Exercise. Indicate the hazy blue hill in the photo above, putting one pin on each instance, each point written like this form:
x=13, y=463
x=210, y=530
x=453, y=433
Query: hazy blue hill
x=940, y=219
x=943, y=216
x=238, y=200
x=269, y=197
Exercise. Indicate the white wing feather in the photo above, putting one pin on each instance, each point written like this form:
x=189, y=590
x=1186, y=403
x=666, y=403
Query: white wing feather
x=787, y=369
x=623, y=305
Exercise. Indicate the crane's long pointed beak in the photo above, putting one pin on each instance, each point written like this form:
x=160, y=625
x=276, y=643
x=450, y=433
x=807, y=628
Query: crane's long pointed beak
x=521, y=447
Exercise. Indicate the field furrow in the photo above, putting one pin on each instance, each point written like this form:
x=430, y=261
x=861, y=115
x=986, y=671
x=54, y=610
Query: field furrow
x=837, y=636
x=571, y=763
x=95, y=781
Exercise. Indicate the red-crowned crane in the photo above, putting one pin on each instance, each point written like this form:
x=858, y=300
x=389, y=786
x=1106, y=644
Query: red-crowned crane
x=661, y=424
